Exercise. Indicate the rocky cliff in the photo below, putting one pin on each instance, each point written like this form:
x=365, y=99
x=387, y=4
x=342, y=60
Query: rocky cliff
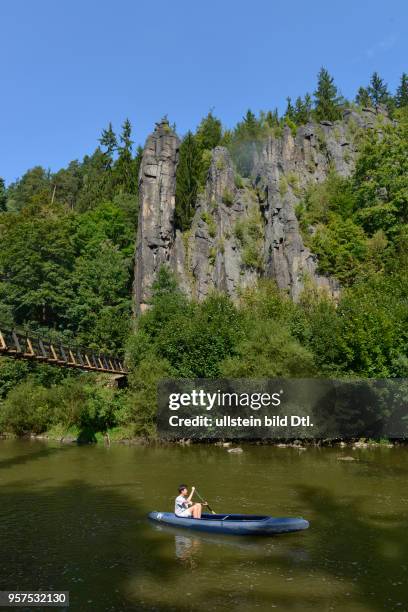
x=243, y=228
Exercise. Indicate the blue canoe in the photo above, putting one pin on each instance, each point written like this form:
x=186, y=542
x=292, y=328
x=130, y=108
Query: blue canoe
x=236, y=524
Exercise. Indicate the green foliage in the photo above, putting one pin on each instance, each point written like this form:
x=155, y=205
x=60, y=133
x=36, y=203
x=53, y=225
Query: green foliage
x=401, y=96
x=29, y=408
x=238, y=180
x=249, y=231
x=141, y=400
x=80, y=402
x=68, y=270
x=375, y=94
x=36, y=261
x=341, y=248
x=373, y=336
x=187, y=181
x=109, y=141
x=209, y=133
x=125, y=171
x=378, y=90
x=192, y=338
x=11, y=373
x=381, y=180
x=245, y=141
x=35, y=183
x=192, y=170
x=363, y=97
x=299, y=113
x=328, y=103
x=268, y=347
x=209, y=220
x=303, y=110
x=227, y=197
x=81, y=186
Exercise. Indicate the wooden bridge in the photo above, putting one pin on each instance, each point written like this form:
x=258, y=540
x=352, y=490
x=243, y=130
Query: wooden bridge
x=34, y=347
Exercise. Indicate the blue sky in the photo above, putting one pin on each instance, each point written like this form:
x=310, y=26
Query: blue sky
x=68, y=67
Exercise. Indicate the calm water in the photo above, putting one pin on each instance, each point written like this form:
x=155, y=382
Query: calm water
x=74, y=518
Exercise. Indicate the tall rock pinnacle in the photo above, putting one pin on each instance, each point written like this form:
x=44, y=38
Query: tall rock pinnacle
x=157, y=186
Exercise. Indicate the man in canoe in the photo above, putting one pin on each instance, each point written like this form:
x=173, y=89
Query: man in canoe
x=184, y=507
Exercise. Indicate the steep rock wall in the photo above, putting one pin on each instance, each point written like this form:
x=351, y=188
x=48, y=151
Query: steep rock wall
x=242, y=228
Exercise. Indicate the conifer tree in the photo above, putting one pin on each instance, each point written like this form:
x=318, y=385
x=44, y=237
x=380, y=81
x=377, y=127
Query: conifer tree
x=272, y=118
x=290, y=111
x=109, y=141
x=378, y=90
x=363, y=97
x=401, y=96
x=209, y=132
x=187, y=181
x=327, y=99
x=302, y=110
x=124, y=167
x=250, y=125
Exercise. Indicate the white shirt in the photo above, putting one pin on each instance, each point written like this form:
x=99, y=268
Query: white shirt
x=180, y=505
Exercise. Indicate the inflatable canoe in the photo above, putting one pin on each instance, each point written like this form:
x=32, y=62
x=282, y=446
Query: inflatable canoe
x=236, y=524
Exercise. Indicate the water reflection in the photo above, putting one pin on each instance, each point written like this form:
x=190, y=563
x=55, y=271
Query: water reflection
x=188, y=545
x=186, y=548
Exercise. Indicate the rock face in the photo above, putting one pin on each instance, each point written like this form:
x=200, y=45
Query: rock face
x=157, y=185
x=242, y=229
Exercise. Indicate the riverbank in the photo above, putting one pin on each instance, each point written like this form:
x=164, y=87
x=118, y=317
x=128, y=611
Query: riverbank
x=122, y=435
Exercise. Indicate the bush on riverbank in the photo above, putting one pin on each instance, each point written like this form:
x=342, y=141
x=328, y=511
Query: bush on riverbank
x=82, y=403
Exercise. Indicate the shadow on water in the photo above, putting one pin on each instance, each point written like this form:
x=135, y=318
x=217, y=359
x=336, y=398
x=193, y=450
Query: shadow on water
x=27, y=457
x=369, y=552
x=66, y=538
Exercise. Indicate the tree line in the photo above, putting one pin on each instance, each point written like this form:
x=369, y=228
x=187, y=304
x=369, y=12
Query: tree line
x=326, y=104
x=66, y=264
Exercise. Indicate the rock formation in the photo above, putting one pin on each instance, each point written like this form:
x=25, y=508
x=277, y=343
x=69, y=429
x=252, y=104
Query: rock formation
x=242, y=228
x=155, y=233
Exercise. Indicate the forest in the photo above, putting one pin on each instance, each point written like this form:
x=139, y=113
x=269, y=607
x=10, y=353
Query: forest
x=66, y=268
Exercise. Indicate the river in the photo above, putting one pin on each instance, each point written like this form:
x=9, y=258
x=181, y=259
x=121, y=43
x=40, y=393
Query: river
x=74, y=518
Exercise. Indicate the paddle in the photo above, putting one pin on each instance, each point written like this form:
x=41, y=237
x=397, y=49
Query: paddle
x=208, y=505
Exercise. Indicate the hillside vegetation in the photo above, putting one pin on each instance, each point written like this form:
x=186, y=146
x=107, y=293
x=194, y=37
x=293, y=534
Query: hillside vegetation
x=66, y=266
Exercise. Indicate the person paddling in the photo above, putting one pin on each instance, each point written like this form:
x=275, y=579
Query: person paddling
x=184, y=507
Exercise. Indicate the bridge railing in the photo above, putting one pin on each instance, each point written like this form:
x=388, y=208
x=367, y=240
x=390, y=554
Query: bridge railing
x=34, y=346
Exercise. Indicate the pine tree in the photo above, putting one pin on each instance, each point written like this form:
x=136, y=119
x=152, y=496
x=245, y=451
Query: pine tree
x=363, y=97
x=187, y=181
x=109, y=141
x=290, y=111
x=272, y=118
x=378, y=90
x=308, y=105
x=401, y=96
x=3, y=196
x=302, y=110
x=125, y=149
x=327, y=99
x=124, y=167
x=209, y=132
x=250, y=125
